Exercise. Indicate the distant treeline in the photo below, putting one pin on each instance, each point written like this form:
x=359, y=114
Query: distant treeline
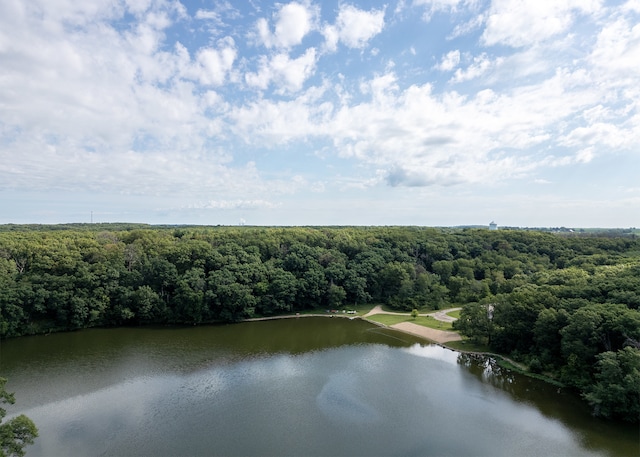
x=567, y=306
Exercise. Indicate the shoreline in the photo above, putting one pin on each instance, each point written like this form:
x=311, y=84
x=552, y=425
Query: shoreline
x=432, y=335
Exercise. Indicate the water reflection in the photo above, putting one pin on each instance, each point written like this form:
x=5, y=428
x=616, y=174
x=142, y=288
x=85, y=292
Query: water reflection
x=558, y=404
x=433, y=352
x=488, y=371
x=340, y=389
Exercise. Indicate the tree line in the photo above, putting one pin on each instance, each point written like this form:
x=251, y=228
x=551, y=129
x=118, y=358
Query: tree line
x=565, y=304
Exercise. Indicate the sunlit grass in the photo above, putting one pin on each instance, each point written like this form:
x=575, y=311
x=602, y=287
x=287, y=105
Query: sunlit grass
x=455, y=314
x=425, y=321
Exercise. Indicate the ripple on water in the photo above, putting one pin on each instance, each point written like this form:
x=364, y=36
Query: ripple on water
x=339, y=401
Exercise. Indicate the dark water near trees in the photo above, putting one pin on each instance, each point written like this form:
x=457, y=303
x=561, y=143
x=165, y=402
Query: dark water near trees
x=309, y=386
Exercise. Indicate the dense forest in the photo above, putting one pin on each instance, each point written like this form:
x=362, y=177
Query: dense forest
x=567, y=305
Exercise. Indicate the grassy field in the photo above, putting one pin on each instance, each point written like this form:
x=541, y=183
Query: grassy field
x=455, y=314
x=426, y=321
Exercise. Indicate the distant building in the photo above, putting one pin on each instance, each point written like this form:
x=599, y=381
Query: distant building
x=493, y=226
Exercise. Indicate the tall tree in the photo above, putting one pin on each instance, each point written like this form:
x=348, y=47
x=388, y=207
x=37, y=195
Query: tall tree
x=476, y=322
x=16, y=433
x=616, y=393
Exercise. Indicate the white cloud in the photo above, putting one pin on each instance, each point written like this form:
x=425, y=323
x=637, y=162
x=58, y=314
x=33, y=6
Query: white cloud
x=288, y=74
x=128, y=172
x=354, y=27
x=521, y=23
x=128, y=97
x=602, y=134
x=381, y=88
x=585, y=155
x=207, y=15
x=105, y=108
x=235, y=204
x=582, y=156
x=213, y=65
x=449, y=61
x=69, y=12
x=421, y=138
x=331, y=37
x=467, y=27
x=617, y=50
x=357, y=27
x=138, y=6
x=438, y=6
x=269, y=122
x=632, y=5
x=479, y=66
x=293, y=22
x=221, y=11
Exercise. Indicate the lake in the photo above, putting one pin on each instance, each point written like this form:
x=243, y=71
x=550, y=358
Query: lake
x=307, y=386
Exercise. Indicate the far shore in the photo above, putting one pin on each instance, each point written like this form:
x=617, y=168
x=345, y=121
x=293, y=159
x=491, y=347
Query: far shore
x=433, y=335
x=439, y=337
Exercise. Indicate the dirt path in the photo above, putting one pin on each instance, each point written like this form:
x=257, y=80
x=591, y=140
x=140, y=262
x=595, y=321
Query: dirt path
x=437, y=315
x=439, y=336
x=442, y=316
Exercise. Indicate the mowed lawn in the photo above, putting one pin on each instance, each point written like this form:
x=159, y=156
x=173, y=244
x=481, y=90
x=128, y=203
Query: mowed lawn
x=455, y=314
x=426, y=321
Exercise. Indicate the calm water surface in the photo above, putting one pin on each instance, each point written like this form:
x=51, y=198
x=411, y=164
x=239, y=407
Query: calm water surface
x=309, y=386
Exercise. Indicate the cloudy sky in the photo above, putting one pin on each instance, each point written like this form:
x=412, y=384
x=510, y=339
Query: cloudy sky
x=405, y=112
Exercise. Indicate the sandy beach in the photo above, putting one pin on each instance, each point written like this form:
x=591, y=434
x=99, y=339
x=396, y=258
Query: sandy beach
x=437, y=336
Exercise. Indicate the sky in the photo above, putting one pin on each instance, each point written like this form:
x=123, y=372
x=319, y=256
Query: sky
x=409, y=112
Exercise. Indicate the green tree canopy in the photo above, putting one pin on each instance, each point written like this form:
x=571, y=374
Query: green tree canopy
x=616, y=392
x=15, y=433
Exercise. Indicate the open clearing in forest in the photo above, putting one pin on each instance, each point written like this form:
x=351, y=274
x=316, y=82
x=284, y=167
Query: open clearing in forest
x=438, y=336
